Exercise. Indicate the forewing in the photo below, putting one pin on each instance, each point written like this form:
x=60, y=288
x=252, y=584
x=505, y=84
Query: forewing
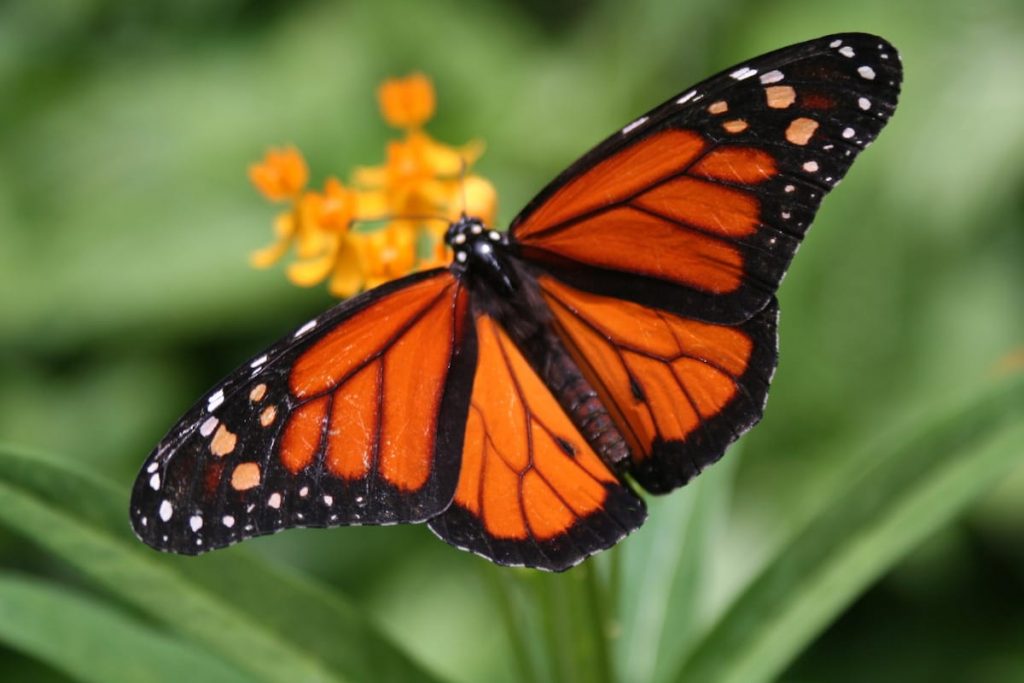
x=699, y=205
x=679, y=390
x=532, y=492
x=356, y=418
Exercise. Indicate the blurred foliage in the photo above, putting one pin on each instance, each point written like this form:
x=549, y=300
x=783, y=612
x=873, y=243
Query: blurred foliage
x=125, y=222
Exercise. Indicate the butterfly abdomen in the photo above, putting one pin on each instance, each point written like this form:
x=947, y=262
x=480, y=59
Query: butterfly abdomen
x=528, y=321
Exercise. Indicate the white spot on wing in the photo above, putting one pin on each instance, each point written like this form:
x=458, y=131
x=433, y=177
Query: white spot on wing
x=275, y=500
x=460, y=256
x=259, y=361
x=152, y=467
x=811, y=166
x=207, y=427
x=773, y=76
x=154, y=482
x=214, y=401
x=304, y=491
x=743, y=73
x=864, y=103
x=687, y=97
x=835, y=43
x=848, y=133
x=228, y=521
x=305, y=328
x=846, y=51
x=166, y=510
x=633, y=126
x=196, y=522
x=866, y=72
x=460, y=238
x=328, y=500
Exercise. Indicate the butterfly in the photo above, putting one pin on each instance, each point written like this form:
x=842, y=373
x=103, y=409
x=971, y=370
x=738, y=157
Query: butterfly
x=622, y=332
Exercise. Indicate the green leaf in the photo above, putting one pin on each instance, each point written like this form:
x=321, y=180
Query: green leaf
x=89, y=641
x=273, y=624
x=669, y=559
x=928, y=477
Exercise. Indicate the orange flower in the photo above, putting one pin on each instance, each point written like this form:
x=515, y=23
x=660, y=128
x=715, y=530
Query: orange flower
x=422, y=186
x=407, y=102
x=281, y=175
x=385, y=254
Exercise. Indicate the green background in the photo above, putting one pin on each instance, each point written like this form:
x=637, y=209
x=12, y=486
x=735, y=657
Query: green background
x=853, y=538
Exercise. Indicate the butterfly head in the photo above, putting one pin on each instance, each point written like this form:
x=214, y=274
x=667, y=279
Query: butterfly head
x=471, y=240
x=481, y=250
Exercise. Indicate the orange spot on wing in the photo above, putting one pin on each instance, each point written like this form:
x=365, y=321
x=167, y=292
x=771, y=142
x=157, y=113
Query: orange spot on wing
x=719, y=107
x=668, y=251
x=800, y=130
x=623, y=174
x=302, y=435
x=735, y=126
x=723, y=210
x=780, y=96
x=268, y=415
x=258, y=392
x=357, y=339
x=746, y=165
x=245, y=476
x=223, y=441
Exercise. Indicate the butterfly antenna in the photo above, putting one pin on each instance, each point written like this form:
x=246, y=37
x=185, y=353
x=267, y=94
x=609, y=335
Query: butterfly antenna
x=402, y=217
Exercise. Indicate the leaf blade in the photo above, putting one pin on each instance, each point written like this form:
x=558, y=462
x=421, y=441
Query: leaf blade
x=923, y=484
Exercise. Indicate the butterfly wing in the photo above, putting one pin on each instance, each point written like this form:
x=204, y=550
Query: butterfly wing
x=699, y=205
x=659, y=252
x=356, y=418
x=532, y=492
x=679, y=390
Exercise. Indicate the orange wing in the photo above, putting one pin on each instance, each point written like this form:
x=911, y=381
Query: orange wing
x=357, y=418
x=699, y=205
x=532, y=492
x=678, y=390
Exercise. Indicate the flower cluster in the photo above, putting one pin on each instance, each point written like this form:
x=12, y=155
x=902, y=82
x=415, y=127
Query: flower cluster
x=391, y=219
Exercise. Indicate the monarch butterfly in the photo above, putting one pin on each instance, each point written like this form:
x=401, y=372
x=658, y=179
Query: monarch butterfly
x=623, y=327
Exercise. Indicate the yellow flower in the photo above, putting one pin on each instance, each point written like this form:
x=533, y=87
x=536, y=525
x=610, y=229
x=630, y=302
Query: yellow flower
x=407, y=102
x=281, y=175
x=385, y=254
x=422, y=186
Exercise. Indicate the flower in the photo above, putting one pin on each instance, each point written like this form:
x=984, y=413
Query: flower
x=282, y=174
x=407, y=102
x=421, y=187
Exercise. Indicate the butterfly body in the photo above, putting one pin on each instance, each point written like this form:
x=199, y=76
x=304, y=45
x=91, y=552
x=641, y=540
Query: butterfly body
x=624, y=329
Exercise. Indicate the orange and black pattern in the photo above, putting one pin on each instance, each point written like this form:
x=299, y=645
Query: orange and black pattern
x=624, y=328
x=353, y=419
x=532, y=491
x=680, y=390
x=700, y=204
